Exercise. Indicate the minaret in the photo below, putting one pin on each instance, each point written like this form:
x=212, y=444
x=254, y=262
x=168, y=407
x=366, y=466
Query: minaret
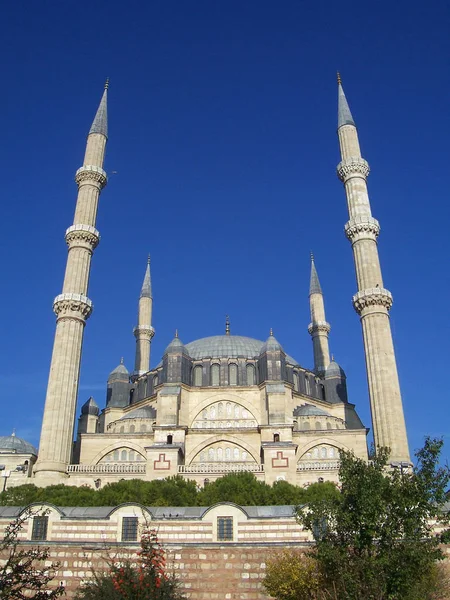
x=72, y=309
x=372, y=301
x=144, y=330
x=318, y=328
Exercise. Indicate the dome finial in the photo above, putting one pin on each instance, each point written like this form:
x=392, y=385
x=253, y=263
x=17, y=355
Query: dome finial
x=13, y=432
x=332, y=357
x=227, y=325
x=121, y=360
x=339, y=80
x=271, y=331
x=176, y=333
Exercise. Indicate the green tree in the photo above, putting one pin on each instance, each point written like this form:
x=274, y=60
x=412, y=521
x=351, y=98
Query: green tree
x=376, y=540
x=241, y=488
x=25, y=572
x=143, y=579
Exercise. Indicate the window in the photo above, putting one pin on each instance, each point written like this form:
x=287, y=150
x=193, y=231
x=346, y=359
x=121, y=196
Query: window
x=276, y=437
x=215, y=374
x=250, y=375
x=170, y=439
x=322, y=391
x=296, y=384
x=132, y=428
x=39, y=531
x=307, y=386
x=233, y=374
x=225, y=529
x=155, y=381
x=198, y=373
x=129, y=529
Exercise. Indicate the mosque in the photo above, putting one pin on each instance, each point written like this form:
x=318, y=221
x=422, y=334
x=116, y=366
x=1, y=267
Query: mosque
x=219, y=404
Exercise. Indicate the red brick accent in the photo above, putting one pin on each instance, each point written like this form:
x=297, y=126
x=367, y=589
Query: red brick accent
x=162, y=464
x=280, y=461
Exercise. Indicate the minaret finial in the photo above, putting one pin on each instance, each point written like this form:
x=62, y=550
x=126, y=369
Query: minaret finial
x=121, y=360
x=13, y=432
x=176, y=333
x=107, y=83
x=311, y=254
x=227, y=325
x=339, y=80
x=148, y=258
x=271, y=331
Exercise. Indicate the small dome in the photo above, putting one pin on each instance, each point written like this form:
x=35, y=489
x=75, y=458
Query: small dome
x=271, y=344
x=308, y=410
x=176, y=345
x=334, y=370
x=145, y=412
x=120, y=373
x=90, y=407
x=16, y=445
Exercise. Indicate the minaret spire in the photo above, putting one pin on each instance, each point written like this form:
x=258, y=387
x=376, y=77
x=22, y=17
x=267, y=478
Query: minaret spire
x=372, y=301
x=144, y=331
x=72, y=309
x=318, y=328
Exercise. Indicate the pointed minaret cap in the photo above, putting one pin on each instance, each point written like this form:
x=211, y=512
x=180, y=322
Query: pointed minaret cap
x=314, y=283
x=344, y=114
x=100, y=123
x=146, y=291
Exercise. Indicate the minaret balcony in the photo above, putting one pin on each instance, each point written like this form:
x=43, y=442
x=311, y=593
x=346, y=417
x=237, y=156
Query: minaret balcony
x=372, y=298
x=354, y=166
x=89, y=174
x=362, y=227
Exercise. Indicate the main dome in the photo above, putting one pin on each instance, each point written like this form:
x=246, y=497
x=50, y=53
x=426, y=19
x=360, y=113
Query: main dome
x=227, y=346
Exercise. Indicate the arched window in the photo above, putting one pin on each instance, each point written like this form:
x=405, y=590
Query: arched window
x=251, y=379
x=236, y=454
x=123, y=455
x=122, y=429
x=211, y=454
x=233, y=374
x=170, y=439
x=227, y=453
x=323, y=453
x=276, y=437
x=220, y=410
x=155, y=381
x=198, y=375
x=219, y=454
x=132, y=428
x=143, y=428
x=322, y=391
x=296, y=381
x=329, y=426
x=215, y=373
x=131, y=455
x=307, y=386
x=116, y=455
x=318, y=425
x=306, y=425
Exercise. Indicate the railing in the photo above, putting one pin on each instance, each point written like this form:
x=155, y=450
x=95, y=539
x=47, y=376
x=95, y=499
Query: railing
x=108, y=468
x=318, y=465
x=220, y=468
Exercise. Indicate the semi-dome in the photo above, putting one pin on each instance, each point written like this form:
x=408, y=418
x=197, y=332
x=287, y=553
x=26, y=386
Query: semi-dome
x=308, y=410
x=145, y=412
x=16, y=445
x=227, y=346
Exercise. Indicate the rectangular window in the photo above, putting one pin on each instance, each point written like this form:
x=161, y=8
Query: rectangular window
x=129, y=529
x=39, y=531
x=225, y=529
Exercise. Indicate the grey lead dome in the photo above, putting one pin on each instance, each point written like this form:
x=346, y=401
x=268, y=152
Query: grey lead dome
x=228, y=346
x=17, y=445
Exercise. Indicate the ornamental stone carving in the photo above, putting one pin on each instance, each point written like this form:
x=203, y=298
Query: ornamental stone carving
x=72, y=306
x=144, y=331
x=319, y=327
x=91, y=174
x=353, y=167
x=372, y=297
x=362, y=227
x=82, y=236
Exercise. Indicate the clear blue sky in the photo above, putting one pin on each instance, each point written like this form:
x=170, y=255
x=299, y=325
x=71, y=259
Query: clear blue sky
x=223, y=136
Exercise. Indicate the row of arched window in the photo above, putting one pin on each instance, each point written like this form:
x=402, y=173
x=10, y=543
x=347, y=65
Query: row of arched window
x=307, y=425
x=321, y=452
x=123, y=455
x=214, y=375
x=220, y=454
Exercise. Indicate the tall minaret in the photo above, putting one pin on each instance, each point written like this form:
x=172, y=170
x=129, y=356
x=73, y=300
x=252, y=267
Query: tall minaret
x=72, y=309
x=144, y=330
x=372, y=301
x=318, y=328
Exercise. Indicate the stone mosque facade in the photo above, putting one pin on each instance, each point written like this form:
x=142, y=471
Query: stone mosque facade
x=219, y=404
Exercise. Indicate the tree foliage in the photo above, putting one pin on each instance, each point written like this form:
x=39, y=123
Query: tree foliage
x=144, y=579
x=240, y=488
x=377, y=539
x=24, y=573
